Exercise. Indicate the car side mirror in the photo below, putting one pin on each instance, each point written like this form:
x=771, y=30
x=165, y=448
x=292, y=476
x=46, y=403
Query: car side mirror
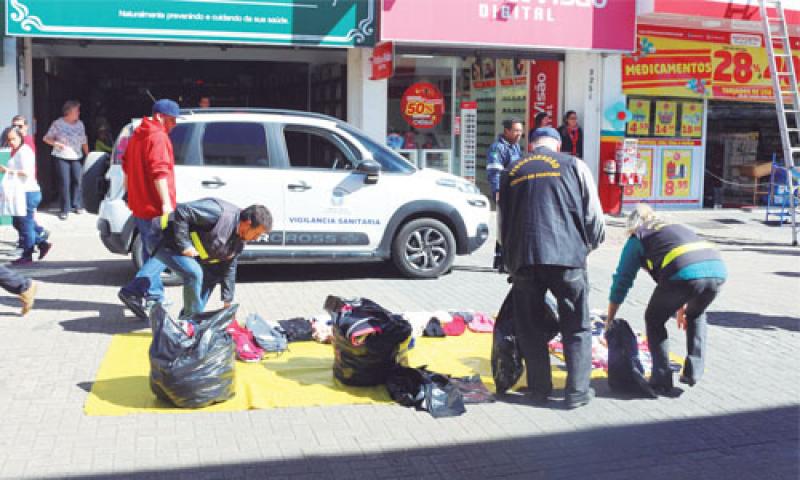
x=371, y=170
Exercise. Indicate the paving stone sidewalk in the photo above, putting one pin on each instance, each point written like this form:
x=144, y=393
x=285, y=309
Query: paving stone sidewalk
x=741, y=422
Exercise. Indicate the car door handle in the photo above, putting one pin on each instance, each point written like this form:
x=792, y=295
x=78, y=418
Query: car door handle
x=299, y=187
x=216, y=182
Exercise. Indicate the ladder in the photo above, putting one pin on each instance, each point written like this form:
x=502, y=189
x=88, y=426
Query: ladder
x=787, y=101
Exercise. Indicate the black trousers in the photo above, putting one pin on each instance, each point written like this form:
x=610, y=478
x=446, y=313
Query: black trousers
x=13, y=282
x=667, y=298
x=69, y=177
x=570, y=288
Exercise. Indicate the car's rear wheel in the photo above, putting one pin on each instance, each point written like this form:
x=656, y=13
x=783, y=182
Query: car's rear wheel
x=169, y=278
x=424, y=248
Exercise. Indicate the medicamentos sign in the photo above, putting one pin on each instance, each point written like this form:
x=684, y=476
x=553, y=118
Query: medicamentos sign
x=563, y=24
x=696, y=63
x=333, y=23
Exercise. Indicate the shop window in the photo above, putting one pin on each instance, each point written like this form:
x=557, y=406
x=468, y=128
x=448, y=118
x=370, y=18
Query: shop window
x=312, y=148
x=665, y=117
x=235, y=144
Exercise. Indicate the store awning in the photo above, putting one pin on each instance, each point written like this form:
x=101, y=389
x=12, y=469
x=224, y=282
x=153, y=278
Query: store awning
x=342, y=23
x=726, y=15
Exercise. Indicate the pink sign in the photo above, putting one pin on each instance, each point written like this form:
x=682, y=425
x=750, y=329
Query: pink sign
x=607, y=25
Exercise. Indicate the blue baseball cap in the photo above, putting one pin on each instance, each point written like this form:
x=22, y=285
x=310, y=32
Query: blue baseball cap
x=545, y=132
x=166, y=106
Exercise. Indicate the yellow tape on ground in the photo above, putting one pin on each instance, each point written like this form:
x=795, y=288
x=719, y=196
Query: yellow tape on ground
x=302, y=377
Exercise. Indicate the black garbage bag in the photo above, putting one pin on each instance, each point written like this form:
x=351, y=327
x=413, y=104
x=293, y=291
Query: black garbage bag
x=365, y=360
x=425, y=390
x=625, y=370
x=297, y=329
x=506, y=358
x=192, y=371
x=472, y=389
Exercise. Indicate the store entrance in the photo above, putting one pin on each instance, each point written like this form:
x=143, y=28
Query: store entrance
x=112, y=91
x=741, y=141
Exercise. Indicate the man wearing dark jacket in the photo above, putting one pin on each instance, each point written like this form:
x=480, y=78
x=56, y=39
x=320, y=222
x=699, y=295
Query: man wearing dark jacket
x=202, y=241
x=149, y=166
x=550, y=220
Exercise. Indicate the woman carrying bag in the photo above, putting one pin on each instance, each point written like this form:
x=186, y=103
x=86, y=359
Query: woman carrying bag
x=23, y=165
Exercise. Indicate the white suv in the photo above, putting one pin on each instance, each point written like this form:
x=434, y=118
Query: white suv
x=335, y=194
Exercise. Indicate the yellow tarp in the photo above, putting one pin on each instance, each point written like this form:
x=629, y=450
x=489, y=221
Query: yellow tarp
x=302, y=377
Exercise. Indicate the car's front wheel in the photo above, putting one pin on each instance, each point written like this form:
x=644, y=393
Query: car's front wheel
x=169, y=278
x=424, y=248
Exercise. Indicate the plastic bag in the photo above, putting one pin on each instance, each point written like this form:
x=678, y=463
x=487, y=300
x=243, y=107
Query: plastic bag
x=366, y=341
x=12, y=196
x=625, y=370
x=192, y=371
x=506, y=358
x=267, y=335
x=425, y=390
x=297, y=329
x=472, y=389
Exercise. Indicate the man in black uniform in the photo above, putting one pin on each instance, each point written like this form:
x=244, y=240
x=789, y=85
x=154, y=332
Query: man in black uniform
x=550, y=220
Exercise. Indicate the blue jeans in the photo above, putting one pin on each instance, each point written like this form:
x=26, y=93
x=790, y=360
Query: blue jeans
x=190, y=270
x=26, y=226
x=147, y=283
x=69, y=173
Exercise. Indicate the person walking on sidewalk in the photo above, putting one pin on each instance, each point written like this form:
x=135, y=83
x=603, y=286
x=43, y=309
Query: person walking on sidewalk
x=22, y=287
x=502, y=153
x=689, y=273
x=149, y=166
x=67, y=136
x=551, y=220
x=201, y=242
x=23, y=165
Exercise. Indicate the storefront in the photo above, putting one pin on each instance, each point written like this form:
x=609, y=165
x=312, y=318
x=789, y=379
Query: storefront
x=697, y=95
x=458, y=75
x=277, y=54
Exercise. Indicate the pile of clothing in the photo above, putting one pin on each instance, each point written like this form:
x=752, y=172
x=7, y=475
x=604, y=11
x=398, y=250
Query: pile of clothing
x=448, y=323
x=258, y=336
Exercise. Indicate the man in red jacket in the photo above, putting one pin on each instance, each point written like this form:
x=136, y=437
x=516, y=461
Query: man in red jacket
x=149, y=167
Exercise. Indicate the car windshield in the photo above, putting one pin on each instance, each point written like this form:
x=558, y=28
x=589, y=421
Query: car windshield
x=389, y=160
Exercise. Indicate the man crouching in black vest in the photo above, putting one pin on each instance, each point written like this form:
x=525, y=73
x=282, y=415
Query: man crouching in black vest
x=551, y=219
x=202, y=241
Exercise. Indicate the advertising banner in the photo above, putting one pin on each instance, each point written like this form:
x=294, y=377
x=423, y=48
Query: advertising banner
x=422, y=105
x=543, y=92
x=561, y=24
x=639, y=124
x=676, y=177
x=666, y=118
x=382, y=61
x=645, y=167
x=691, y=119
x=332, y=23
x=698, y=63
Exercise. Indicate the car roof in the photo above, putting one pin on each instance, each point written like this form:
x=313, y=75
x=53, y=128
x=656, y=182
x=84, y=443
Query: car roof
x=199, y=113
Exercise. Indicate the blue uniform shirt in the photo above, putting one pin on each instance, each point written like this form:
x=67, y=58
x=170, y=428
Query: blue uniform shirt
x=501, y=155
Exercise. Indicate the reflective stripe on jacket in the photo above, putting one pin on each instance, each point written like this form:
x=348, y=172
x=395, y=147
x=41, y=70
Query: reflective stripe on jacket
x=670, y=247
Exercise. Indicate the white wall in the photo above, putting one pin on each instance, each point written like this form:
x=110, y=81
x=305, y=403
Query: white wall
x=612, y=89
x=367, y=102
x=583, y=78
x=8, y=82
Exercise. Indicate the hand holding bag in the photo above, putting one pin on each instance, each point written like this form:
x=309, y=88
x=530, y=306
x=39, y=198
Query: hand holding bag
x=12, y=196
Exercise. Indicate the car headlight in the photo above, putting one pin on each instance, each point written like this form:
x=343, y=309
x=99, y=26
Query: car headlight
x=460, y=185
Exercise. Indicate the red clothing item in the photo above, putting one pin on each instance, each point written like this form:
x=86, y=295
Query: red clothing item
x=148, y=158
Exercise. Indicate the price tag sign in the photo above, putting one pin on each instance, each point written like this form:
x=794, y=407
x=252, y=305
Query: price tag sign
x=692, y=119
x=666, y=119
x=422, y=105
x=639, y=124
x=676, y=165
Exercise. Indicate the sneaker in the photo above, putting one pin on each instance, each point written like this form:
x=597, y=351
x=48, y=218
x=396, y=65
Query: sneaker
x=79, y=211
x=63, y=216
x=22, y=262
x=246, y=348
x=579, y=401
x=44, y=249
x=135, y=304
x=28, y=297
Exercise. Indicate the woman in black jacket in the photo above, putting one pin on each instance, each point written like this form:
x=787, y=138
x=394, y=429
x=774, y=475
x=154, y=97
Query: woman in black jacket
x=571, y=135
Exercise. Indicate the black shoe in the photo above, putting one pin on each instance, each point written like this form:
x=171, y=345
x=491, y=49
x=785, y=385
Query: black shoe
x=135, y=304
x=539, y=399
x=687, y=381
x=44, y=248
x=579, y=401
